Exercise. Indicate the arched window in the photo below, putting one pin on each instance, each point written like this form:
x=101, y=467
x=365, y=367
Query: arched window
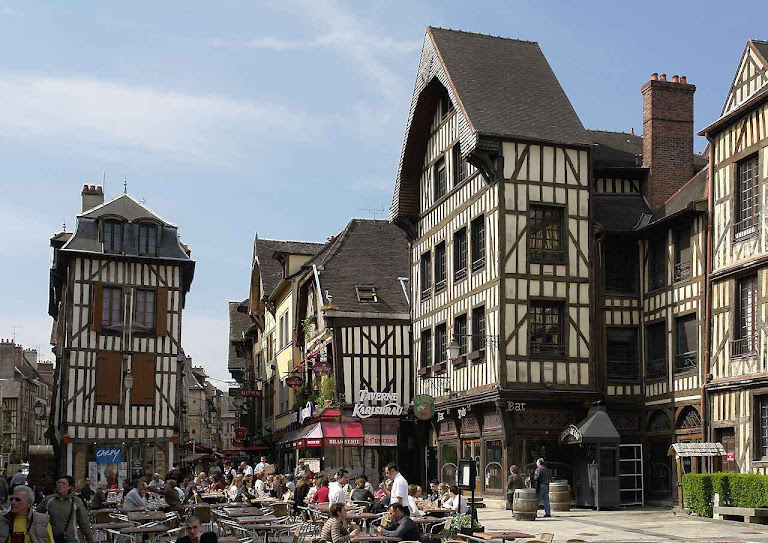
x=689, y=419
x=659, y=422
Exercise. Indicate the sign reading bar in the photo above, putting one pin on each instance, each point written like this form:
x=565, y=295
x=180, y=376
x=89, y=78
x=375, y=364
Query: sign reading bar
x=109, y=455
x=515, y=406
x=392, y=407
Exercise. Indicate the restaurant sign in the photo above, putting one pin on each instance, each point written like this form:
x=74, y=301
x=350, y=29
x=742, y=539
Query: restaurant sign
x=570, y=435
x=391, y=407
x=424, y=406
x=294, y=381
x=109, y=455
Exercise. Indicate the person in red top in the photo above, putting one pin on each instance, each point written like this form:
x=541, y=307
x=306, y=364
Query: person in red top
x=321, y=496
x=218, y=485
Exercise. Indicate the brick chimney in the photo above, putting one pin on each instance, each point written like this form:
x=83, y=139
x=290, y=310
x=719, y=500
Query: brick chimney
x=667, y=136
x=92, y=196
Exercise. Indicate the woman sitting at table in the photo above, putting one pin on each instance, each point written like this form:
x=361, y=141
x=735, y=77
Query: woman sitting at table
x=321, y=496
x=302, y=489
x=360, y=493
x=99, y=499
x=445, y=495
x=314, y=485
x=259, y=487
x=234, y=492
x=458, y=503
x=413, y=507
x=218, y=483
x=335, y=528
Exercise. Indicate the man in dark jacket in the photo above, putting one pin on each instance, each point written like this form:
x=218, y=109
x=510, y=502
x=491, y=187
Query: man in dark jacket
x=541, y=477
x=401, y=525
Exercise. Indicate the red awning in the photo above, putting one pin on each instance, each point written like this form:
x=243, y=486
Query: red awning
x=343, y=433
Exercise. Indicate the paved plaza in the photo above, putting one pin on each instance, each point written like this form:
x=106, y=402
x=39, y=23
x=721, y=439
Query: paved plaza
x=648, y=524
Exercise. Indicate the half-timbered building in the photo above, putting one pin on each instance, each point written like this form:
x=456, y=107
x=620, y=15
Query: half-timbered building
x=493, y=188
x=737, y=391
x=117, y=292
x=355, y=336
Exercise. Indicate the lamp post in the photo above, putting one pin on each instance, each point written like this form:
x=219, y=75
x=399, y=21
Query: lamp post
x=128, y=381
x=39, y=409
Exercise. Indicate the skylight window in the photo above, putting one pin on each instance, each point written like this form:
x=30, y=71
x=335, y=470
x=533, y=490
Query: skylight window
x=366, y=294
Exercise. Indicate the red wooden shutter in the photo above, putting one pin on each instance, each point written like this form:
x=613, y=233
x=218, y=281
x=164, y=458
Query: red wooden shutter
x=97, y=303
x=161, y=312
x=108, y=377
x=143, y=371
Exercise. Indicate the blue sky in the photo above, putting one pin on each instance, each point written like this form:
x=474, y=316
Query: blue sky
x=284, y=118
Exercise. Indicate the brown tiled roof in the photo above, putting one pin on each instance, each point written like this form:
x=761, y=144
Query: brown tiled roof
x=239, y=322
x=507, y=87
x=271, y=270
x=366, y=252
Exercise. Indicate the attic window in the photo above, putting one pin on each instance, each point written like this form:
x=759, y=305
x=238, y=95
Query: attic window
x=366, y=294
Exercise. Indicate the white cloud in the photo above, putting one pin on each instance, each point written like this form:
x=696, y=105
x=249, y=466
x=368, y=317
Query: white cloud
x=345, y=38
x=108, y=114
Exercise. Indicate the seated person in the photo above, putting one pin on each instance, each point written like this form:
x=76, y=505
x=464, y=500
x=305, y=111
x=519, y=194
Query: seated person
x=433, y=494
x=445, y=495
x=401, y=525
x=136, y=499
x=171, y=496
x=361, y=493
x=193, y=531
x=335, y=528
x=413, y=492
x=458, y=502
x=321, y=496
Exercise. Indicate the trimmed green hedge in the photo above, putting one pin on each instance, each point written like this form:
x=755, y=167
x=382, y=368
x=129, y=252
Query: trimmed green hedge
x=735, y=489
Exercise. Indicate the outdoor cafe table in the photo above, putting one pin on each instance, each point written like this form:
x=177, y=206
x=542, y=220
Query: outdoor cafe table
x=503, y=536
x=374, y=537
x=112, y=525
x=213, y=497
x=145, y=516
x=266, y=528
x=257, y=520
x=244, y=512
x=146, y=531
x=437, y=511
x=228, y=539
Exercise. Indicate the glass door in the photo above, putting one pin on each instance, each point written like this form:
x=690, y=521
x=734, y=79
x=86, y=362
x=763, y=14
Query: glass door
x=471, y=449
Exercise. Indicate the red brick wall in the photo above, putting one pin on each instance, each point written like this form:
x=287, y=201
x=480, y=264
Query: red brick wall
x=667, y=138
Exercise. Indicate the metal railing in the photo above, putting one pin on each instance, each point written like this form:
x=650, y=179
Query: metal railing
x=656, y=367
x=686, y=361
x=745, y=346
x=478, y=264
x=547, y=349
x=440, y=285
x=460, y=274
x=620, y=282
x=682, y=271
x=745, y=227
x=625, y=368
x=426, y=293
x=546, y=255
x=658, y=280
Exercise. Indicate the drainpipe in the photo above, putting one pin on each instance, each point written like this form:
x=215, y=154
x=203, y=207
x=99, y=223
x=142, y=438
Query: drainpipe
x=705, y=426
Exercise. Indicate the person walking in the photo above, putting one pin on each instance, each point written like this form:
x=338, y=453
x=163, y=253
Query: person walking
x=399, y=492
x=4, y=489
x=541, y=477
x=67, y=513
x=22, y=523
x=514, y=481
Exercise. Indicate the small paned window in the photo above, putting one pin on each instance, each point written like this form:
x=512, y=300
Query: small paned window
x=745, y=342
x=620, y=256
x=147, y=239
x=478, y=328
x=446, y=107
x=460, y=333
x=546, y=328
x=426, y=275
x=747, y=197
x=426, y=348
x=366, y=294
x=545, y=234
x=440, y=177
x=144, y=309
x=460, y=254
x=441, y=343
x=113, y=237
x=440, y=281
x=683, y=254
x=657, y=350
x=112, y=307
x=658, y=266
x=477, y=228
x=687, y=340
x=459, y=166
x=761, y=405
x=622, y=353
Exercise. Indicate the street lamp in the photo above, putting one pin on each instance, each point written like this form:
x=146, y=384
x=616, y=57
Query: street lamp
x=39, y=409
x=128, y=381
x=454, y=350
x=213, y=411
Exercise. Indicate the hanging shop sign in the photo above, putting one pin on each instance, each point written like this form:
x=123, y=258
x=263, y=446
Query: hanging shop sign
x=248, y=393
x=424, y=406
x=306, y=412
x=109, y=455
x=240, y=433
x=294, y=381
x=391, y=408
x=570, y=435
x=515, y=406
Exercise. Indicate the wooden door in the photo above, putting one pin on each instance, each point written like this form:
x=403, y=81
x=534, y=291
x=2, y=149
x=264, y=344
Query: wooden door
x=727, y=436
x=471, y=449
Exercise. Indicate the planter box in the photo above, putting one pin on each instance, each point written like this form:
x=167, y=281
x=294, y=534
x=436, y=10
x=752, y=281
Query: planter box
x=425, y=371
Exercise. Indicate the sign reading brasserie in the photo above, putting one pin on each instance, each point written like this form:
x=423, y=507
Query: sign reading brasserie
x=364, y=409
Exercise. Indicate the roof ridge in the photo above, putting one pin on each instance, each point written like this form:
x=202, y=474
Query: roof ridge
x=613, y=132
x=291, y=241
x=482, y=34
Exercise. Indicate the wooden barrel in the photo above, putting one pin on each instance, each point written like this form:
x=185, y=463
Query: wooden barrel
x=525, y=504
x=560, y=496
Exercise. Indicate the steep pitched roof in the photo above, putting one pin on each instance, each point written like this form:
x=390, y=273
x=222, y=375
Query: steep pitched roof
x=270, y=269
x=126, y=207
x=239, y=323
x=501, y=89
x=619, y=212
x=366, y=253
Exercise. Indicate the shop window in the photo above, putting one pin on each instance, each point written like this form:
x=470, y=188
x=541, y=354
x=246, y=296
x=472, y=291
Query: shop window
x=747, y=197
x=440, y=267
x=745, y=332
x=450, y=455
x=620, y=257
x=657, y=350
x=683, y=254
x=460, y=254
x=687, y=338
x=545, y=234
x=546, y=328
x=657, y=272
x=494, y=468
x=622, y=353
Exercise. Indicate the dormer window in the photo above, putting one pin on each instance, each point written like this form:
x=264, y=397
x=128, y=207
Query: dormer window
x=148, y=239
x=113, y=236
x=366, y=294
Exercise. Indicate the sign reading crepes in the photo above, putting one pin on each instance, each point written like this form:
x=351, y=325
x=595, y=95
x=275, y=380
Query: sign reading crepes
x=363, y=409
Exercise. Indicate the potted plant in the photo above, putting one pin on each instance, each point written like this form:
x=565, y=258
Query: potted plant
x=327, y=390
x=465, y=524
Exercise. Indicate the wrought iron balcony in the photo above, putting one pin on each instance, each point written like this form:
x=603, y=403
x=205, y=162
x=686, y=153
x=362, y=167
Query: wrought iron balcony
x=426, y=293
x=460, y=274
x=622, y=368
x=686, y=361
x=547, y=349
x=745, y=346
x=658, y=280
x=546, y=255
x=623, y=283
x=656, y=367
x=478, y=264
x=682, y=271
x=440, y=286
x=745, y=227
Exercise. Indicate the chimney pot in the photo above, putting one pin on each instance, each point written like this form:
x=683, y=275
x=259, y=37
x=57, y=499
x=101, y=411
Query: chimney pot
x=683, y=80
x=654, y=76
x=663, y=77
x=99, y=189
x=675, y=79
x=85, y=188
x=91, y=197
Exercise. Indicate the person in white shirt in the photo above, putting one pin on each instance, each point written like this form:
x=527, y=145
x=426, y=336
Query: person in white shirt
x=258, y=486
x=336, y=493
x=247, y=470
x=156, y=482
x=458, y=502
x=262, y=465
x=413, y=507
x=399, y=492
